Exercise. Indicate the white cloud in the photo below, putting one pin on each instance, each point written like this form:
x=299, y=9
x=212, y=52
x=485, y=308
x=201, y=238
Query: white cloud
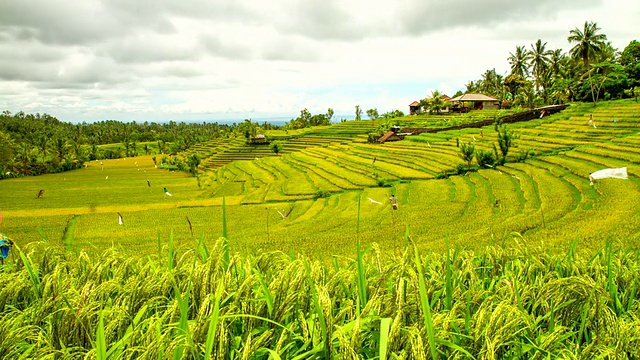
x=201, y=59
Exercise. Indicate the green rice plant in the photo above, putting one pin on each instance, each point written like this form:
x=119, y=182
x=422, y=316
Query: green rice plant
x=385, y=324
x=426, y=308
x=68, y=236
x=225, y=242
x=362, y=281
x=101, y=343
x=317, y=308
x=213, y=322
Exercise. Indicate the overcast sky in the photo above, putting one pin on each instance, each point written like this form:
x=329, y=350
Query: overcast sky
x=157, y=60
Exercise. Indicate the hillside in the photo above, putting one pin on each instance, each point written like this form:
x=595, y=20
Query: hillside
x=306, y=199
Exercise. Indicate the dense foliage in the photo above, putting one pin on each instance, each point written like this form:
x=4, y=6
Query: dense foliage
x=592, y=70
x=34, y=144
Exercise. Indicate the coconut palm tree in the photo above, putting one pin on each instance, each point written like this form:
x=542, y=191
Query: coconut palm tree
x=539, y=57
x=519, y=62
x=471, y=87
x=436, y=103
x=556, y=58
x=588, y=42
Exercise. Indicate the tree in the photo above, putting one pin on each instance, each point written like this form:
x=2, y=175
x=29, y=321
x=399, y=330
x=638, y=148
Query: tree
x=6, y=152
x=43, y=145
x=556, y=58
x=329, y=114
x=135, y=136
x=248, y=128
x=539, y=57
x=358, y=112
x=193, y=161
x=276, y=147
x=436, y=102
x=588, y=44
x=470, y=87
x=61, y=148
x=505, y=141
x=607, y=75
x=630, y=59
x=373, y=114
x=634, y=92
x=485, y=158
x=466, y=152
x=514, y=83
x=526, y=96
x=519, y=62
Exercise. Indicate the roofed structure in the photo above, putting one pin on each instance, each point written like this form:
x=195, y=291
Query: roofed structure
x=414, y=108
x=258, y=140
x=480, y=101
x=474, y=98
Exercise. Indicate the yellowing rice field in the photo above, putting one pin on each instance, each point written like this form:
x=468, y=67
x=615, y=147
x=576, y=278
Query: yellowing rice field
x=300, y=255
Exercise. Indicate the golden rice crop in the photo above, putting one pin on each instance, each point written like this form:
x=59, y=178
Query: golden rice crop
x=190, y=302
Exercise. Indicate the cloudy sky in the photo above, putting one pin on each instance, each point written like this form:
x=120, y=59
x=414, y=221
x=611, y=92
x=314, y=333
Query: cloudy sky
x=159, y=60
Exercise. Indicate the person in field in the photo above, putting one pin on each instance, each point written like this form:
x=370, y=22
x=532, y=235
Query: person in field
x=394, y=201
x=166, y=191
x=5, y=245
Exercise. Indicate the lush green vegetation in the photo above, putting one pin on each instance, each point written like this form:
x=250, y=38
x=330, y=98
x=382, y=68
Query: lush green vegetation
x=303, y=199
x=508, y=300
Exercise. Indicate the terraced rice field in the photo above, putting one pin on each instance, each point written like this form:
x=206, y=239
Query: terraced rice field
x=306, y=198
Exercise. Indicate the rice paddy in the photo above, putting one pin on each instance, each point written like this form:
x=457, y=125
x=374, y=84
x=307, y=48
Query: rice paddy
x=514, y=300
x=525, y=260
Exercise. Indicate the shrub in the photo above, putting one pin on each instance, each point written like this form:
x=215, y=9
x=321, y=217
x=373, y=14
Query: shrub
x=524, y=154
x=485, y=158
x=321, y=194
x=466, y=152
x=382, y=182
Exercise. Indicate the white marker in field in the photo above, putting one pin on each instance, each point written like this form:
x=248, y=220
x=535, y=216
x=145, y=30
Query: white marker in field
x=120, y=219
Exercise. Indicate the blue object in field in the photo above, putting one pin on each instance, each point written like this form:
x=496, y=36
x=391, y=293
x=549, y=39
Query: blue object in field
x=4, y=248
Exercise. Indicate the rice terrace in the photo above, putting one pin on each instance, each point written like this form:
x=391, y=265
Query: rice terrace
x=500, y=223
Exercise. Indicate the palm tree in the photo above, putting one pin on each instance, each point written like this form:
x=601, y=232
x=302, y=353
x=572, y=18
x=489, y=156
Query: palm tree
x=436, y=102
x=556, y=58
x=471, y=87
x=539, y=57
x=43, y=145
x=491, y=84
x=519, y=62
x=588, y=44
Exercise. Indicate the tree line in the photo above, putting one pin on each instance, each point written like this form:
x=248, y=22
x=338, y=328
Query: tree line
x=34, y=144
x=590, y=71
